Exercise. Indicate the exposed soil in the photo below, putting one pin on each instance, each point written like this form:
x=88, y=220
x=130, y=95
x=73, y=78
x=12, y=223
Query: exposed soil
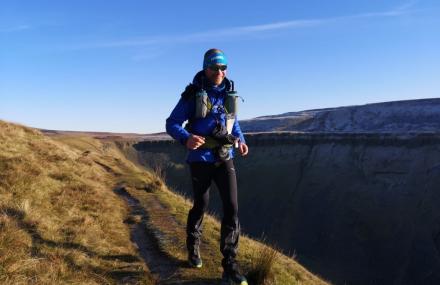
x=164, y=267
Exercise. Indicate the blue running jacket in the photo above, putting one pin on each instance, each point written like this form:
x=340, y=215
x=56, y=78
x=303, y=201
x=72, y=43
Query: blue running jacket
x=185, y=109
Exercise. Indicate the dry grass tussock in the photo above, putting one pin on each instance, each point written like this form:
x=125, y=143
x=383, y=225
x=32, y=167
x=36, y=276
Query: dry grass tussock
x=60, y=222
x=261, y=266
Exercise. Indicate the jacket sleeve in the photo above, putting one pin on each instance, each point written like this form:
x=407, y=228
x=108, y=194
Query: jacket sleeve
x=236, y=131
x=174, y=122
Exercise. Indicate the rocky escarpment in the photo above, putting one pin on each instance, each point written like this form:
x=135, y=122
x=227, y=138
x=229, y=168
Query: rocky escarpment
x=398, y=116
x=354, y=208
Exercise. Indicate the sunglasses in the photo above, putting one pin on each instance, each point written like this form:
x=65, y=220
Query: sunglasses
x=218, y=67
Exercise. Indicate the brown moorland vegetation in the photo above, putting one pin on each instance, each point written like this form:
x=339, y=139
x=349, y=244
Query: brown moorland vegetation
x=75, y=210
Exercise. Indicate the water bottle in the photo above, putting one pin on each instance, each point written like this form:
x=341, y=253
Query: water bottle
x=231, y=102
x=201, y=104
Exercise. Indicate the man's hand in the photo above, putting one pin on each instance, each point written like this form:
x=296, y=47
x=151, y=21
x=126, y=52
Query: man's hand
x=243, y=148
x=195, y=141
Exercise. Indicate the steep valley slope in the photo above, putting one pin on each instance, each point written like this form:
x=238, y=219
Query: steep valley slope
x=354, y=208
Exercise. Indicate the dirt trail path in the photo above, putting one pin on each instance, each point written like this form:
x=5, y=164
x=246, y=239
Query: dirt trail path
x=166, y=268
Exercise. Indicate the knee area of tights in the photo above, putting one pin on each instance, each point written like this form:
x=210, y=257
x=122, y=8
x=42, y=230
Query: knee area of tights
x=199, y=211
x=231, y=219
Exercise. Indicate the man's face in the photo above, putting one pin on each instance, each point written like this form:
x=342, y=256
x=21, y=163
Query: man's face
x=216, y=73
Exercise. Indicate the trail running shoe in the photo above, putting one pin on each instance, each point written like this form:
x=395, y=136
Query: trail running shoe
x=233, y=277
x=195, y=260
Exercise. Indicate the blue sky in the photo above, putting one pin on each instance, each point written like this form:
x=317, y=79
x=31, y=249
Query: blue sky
x=120, y=66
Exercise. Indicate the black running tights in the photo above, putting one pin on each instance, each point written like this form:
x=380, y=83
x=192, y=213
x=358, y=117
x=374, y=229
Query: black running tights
x=223, y=174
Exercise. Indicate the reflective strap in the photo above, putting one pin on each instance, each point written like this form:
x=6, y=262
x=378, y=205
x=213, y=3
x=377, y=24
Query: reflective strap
x=230, y=120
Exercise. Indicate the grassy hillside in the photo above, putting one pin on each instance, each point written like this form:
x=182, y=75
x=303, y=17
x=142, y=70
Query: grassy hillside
x=60, y=221
x=74, y=210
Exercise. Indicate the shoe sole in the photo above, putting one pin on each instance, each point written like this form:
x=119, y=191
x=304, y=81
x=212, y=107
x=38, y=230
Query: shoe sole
x=196, y=265
x=230, y=282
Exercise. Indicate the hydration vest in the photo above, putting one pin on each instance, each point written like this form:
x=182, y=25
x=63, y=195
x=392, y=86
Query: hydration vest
x=203, y=107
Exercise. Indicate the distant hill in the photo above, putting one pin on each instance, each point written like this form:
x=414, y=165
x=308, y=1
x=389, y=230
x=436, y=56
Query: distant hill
x=421, y=115
x=107, y=135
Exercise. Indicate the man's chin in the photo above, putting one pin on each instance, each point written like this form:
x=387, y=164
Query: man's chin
x=218, y=82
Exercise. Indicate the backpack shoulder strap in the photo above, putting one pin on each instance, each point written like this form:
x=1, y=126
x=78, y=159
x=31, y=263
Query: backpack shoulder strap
x=190, y=91
x=229, y=85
